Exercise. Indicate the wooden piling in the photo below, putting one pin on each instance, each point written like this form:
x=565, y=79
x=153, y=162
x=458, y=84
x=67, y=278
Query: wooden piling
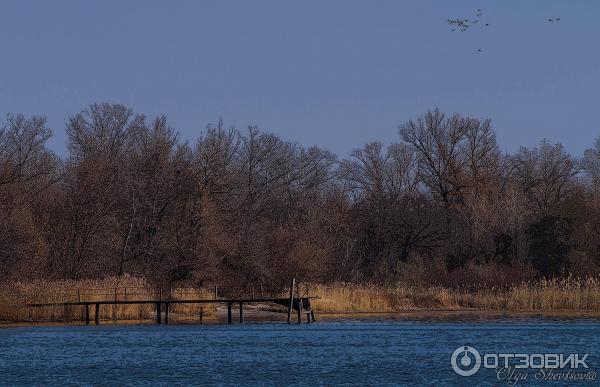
x=241, y=312
x=229, y=313
x=201, y=314
x=97, y=314
x=299, y=310
x=312, y=312
x=289, y=316
x=114, y=307
x=87, y=314
x=158, y=316
x=166, y=312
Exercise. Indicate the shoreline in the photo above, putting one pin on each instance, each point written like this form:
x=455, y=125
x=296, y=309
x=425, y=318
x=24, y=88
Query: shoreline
x=270, y=317
x=549, y=299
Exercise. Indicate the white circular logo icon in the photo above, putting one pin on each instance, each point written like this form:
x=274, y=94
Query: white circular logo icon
x=465, y=361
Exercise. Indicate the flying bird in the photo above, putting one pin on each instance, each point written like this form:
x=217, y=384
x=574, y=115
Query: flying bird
x=463, y=25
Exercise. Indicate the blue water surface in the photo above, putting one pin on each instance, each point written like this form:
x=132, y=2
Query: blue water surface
x=362, y=352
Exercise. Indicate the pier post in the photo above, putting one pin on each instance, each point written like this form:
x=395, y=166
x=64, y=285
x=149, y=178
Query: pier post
x=241, y=312
x=299, y=310
x=97, y=314
x=201, y=314
x=114, y=307
x=289, y=316
x=158, y=317
x=311, y=314
x=87, y=314
x=166, y=313
x=228, y=312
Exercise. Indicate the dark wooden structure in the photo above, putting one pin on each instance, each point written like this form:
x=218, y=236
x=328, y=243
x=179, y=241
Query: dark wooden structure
x=295, y=302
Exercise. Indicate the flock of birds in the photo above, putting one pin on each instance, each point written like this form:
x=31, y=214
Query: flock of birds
x=463, y=25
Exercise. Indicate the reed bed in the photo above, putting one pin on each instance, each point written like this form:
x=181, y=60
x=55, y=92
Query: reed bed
x=367, y=298
x=565, y=295
x=540, y=296
x=14, y=296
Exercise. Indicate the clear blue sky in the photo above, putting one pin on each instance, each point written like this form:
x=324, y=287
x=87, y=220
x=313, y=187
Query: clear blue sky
x=330, y=73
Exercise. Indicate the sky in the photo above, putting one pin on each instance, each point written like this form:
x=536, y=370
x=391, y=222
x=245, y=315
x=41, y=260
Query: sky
x=337, y=74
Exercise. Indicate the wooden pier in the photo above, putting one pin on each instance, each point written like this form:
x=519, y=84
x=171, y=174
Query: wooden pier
x=301, y=304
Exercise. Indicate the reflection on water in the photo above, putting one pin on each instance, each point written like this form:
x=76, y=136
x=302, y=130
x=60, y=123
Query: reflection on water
x=356, y=352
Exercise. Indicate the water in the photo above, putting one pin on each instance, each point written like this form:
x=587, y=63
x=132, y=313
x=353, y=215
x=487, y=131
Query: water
x=363, y=352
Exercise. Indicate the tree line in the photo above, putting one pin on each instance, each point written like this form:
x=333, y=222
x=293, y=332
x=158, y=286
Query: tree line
x=442, y=205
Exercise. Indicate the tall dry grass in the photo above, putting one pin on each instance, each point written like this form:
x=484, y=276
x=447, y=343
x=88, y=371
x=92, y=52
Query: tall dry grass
x=14, y=297
x=538, y=296
x=365, y=298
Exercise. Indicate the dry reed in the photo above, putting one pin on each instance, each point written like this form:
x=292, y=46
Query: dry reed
x=566, y=295
x=539, y=296
x=14, y=297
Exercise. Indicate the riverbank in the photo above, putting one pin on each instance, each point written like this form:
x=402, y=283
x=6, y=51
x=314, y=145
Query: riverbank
x=14, y=297
x=568, y=297
x=271, y=317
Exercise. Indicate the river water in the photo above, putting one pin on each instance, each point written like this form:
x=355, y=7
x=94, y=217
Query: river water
x=342, y=352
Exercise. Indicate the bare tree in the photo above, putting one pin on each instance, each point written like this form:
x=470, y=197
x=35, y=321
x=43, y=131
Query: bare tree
x=591, y=166
x=242, y=207
x=24, y=158
x=372, y=174
x=545, y=174
x=27, y=170
x=453, y=153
